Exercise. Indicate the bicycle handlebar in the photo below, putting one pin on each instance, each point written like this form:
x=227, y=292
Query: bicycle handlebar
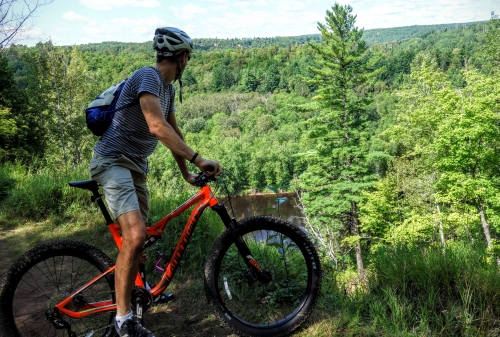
x=202, y=180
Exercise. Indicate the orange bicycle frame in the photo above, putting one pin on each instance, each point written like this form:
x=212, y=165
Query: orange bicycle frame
x=201, y=200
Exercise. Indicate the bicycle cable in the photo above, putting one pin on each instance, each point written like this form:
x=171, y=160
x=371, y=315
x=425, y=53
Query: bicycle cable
x=221, y=184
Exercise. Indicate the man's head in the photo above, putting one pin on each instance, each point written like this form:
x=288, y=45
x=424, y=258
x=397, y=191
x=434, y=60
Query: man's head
x=171, y=42
x=174, y=45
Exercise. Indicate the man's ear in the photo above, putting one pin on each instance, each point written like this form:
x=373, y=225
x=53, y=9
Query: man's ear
x=184, y=58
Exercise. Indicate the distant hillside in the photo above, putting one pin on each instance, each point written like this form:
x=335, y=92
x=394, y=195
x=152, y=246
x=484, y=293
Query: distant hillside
x=371, y=36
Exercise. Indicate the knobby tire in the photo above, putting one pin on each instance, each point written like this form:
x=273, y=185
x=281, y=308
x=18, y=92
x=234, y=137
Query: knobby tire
x=46, y=275
x=251, y=308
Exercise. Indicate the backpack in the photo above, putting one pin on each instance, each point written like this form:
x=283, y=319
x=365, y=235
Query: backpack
x=101, y=110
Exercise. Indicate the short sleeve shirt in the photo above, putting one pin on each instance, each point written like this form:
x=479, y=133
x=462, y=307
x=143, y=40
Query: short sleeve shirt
x=129, y=133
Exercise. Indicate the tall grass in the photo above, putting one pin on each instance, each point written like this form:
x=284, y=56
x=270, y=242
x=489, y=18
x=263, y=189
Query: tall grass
x=36, y=193
x=422, y=291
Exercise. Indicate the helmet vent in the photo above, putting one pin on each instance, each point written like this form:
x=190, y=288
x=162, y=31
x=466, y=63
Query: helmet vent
x=172, y=41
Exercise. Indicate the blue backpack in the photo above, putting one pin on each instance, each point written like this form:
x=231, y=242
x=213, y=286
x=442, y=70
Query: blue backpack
x=101, y=110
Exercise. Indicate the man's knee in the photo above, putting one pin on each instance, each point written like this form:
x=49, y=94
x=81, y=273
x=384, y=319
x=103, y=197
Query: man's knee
x=133, y=231
x=134, y=239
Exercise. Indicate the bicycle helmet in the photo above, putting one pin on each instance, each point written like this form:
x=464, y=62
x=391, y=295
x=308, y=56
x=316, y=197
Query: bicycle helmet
x=171, y=41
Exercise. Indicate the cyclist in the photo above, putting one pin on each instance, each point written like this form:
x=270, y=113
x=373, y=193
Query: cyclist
x=120, y=162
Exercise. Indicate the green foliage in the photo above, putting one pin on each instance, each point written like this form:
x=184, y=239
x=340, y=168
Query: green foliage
x=6, y=183
x=337, y=169
x=62, y=87
x=423, y=291
x=489, y=56
x=20, y=135
x=436, y=288
x=380, y=35
x=449, y=136
x=40, y=193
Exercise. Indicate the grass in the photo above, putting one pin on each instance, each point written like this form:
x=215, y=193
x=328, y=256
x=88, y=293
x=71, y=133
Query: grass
x=411, y=290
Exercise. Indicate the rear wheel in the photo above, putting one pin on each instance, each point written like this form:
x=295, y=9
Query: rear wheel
x=46, y=275
x=250, y=307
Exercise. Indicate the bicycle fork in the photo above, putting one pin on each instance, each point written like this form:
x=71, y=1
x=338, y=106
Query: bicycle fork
x=253, y=266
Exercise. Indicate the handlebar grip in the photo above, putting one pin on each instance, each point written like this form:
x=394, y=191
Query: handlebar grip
x=209, y=168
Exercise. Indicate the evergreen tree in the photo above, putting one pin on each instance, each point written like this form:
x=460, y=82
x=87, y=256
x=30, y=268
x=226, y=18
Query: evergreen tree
x=338, y=168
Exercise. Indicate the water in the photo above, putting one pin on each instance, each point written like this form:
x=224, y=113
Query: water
x=265, y=204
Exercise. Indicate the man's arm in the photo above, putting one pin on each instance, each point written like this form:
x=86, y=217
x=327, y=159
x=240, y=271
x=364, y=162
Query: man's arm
x=171, y=138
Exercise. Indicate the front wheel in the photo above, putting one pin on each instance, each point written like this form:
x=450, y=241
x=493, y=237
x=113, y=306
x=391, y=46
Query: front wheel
x=251, y=307
x=46, y=275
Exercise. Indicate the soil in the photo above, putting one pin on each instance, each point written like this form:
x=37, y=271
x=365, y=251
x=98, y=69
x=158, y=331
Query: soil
x=188, y=315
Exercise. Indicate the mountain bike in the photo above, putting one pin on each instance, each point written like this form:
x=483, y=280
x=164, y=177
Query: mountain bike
x=262, y=276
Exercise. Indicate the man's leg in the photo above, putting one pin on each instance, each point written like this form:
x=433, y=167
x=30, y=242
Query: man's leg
x=133, y=235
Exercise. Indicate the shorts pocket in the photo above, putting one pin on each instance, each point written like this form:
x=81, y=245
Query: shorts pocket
x=100, y=164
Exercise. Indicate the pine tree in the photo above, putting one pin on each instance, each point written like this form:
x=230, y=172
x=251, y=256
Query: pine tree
x=338, y=168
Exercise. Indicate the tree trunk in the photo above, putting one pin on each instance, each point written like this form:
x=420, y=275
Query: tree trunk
x=486, y=228
x=441, y=231
x=356, y=231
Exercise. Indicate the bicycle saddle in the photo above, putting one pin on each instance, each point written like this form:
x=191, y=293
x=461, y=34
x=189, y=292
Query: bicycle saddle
x=85, y=184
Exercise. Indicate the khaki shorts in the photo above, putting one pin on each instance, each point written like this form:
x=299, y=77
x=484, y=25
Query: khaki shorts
x=124, y=184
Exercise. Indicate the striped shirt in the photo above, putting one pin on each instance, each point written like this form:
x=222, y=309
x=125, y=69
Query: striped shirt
x=129, y=133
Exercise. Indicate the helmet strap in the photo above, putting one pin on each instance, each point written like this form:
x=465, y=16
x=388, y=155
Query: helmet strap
x=178, y=76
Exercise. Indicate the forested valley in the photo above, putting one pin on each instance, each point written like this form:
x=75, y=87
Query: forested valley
x=391, y=137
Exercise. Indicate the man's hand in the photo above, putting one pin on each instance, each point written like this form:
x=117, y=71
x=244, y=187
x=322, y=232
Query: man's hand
x=190, y=177
x=203, y=163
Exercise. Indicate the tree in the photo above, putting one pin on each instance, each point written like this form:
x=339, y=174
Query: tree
x=338, y=168
x=249, y=82
x=13, y=17
x=453, y=134
x=490, y=54
x=467, y=147
x=62, y=87
x=20, y=135
x=222, y=78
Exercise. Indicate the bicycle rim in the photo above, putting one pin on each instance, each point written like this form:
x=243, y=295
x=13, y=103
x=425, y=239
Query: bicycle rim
x=265, y=305
x=50, y=280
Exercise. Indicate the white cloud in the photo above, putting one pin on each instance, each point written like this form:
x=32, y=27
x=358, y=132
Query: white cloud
x=260, y=23
x=34, y=33
x=139, y=30
x=292, y=6
x=242, y=4
x=218, y=1
x=72, y=16
x=111, y=4
x=193, y=9
x=188, y=11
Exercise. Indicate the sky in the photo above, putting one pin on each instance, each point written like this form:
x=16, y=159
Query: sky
x=70, y=22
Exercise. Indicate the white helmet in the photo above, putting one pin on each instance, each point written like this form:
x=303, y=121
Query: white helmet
x=170, y=41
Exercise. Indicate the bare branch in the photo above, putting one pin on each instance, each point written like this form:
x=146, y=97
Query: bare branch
x=14, y=15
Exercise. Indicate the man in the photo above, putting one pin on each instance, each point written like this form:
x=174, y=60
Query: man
x=120, y=161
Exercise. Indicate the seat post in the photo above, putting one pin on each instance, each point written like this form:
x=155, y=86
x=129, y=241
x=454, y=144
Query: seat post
x=96, y=197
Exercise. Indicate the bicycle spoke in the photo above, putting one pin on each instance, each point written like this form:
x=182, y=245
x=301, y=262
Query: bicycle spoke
x=51, y=279
x=258, y=303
